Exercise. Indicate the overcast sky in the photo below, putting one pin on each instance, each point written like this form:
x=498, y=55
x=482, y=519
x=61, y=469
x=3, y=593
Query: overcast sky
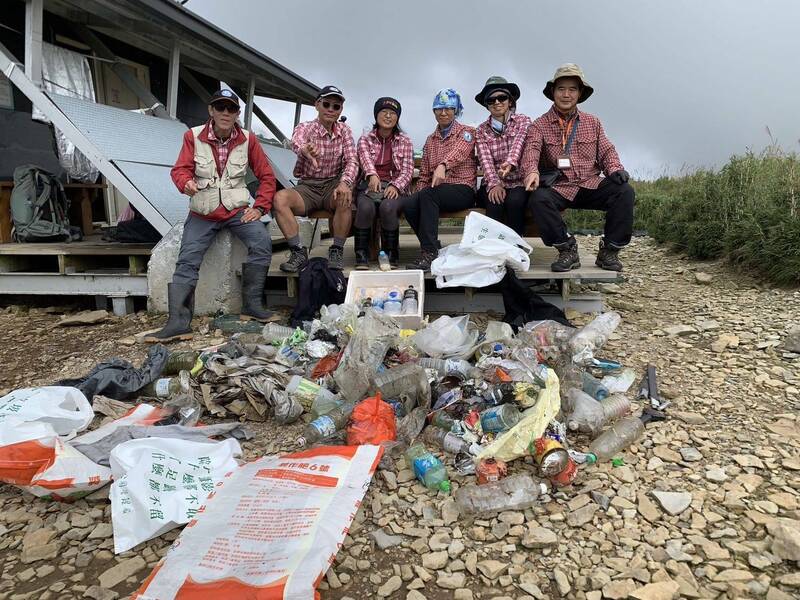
x=678, y=84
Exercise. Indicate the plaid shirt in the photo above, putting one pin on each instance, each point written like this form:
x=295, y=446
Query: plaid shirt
x=337, y=152
x=456, y=151
x=495, y=149
x=223, y=146
x=402, y=158
x=591, y=152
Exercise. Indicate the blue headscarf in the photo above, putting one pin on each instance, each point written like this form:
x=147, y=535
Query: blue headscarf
x=448, y=98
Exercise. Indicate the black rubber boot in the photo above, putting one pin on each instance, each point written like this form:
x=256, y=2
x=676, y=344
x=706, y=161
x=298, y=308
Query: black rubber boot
x=181, y=307
x=361, y=239
x=608, y=257
x=567, y=256
x=253, y=279
x=390, y=243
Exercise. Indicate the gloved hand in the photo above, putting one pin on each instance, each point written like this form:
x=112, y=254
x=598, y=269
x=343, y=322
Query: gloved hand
x=619, y=177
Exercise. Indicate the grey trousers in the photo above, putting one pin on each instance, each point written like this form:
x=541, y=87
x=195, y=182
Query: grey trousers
x=198, y=233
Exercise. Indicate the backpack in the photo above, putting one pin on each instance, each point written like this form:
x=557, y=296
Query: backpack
x=318, y=286
x=39, y=206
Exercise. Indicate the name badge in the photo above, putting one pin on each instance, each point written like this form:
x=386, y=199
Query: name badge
x=564, y=162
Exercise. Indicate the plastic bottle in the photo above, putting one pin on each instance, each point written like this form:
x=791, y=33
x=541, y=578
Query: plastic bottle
x=448, y=441
x=617, y=438
x=383, y=261
x=309, y=394
x=167, y=386
x=615, y=407
x=393, y=303
x=446, y=367
x=273, y=332
x=584, y=413
x=180, y=360
x=410, y=304
x=593, y=387
x=592, y=337
x=397, y=381
x=232, y=324
x=186, y=411
x=428, y=469
x=326, y=426
x=443, y=420
x=516, y=492
x=499, y=418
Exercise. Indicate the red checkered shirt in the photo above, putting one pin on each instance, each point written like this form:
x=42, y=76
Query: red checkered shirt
x=590, y=154
x=495, y=149
x=337, y=152
x=223, y=146
x=456, y=151
x=369, y=145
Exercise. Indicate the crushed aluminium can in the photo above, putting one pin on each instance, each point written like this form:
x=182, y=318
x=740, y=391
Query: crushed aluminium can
x=490, y=470
x=550, y=456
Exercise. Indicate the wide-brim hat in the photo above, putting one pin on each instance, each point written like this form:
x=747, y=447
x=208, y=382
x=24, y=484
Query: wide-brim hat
x=569, y=70
x=497, y=83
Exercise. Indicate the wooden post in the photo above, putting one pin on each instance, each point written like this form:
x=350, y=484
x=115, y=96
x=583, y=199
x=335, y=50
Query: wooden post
x=5, y=212
x=173, y=78
x=33, y=40
x=86, y=212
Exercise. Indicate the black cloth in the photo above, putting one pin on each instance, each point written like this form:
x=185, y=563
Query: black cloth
x=318, y=286
x=614, y=199
x=523, y=305
x=511, y=211
x=422, y=210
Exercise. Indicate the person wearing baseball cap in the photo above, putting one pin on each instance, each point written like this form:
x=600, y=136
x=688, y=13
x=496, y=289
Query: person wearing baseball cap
x=326, y=167
x=211, y=169
x=386, y=157
x=574, y=147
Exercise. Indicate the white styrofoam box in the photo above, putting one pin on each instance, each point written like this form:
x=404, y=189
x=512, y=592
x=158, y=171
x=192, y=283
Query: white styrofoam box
x=401, y=279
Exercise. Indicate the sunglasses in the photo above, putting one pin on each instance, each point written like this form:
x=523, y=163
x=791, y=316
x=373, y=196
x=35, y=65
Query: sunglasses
x=225, y=107
x=327, y=105
x=499, y=98
x=444, y=110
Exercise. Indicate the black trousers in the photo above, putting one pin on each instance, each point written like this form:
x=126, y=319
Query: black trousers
x=615, y=200
x=510, y=212
x=422, y=210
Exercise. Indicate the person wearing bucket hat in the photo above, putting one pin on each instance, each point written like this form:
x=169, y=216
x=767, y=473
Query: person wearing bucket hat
x=446, y=176
x=386, y=156
x=498, y=142
x=574, y=148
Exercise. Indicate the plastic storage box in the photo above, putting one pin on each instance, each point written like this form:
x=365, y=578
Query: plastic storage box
x=400, y=279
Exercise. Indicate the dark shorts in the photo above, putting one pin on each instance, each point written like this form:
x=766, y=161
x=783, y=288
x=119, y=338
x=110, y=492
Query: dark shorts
x=317, y=194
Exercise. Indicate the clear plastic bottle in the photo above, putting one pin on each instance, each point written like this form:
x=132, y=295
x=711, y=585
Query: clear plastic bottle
x=617, y=438
x=383, y=261
x=410, y=304
x=309, y=394
x=428, y=469
x=397, y=381
x=615, y=407
x=180, y=360
x=393, y=303
x=584, y=413
x=167, y=386
x=448, y=441
x=499, y=418
x=446, y=366
x=274, y=333
x=592, y=337
x=326, y=426
x=593, y=387
x=516, y=492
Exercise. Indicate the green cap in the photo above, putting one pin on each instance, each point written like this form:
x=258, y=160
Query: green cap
x=445, y=486
x=591, y=458
x=617, y=462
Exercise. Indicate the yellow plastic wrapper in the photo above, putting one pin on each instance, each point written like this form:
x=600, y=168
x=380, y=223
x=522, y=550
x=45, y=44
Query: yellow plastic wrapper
x=515, y=442
x=525, y=394
x=404, y=333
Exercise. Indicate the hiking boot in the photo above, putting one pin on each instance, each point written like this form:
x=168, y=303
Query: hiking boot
x=253, y=279
x=298, y=257
x=361, y=239
x=423, y=263
x=390, y=243
x=336, y=258
x=608, y=257
x=567, y=256
x=181, y=306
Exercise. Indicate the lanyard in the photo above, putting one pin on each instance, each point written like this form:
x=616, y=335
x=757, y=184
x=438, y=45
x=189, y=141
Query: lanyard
x=571, y=128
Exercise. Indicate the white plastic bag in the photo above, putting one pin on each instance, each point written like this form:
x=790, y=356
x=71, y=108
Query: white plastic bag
x=479, y=228
x=271, y=529
x=447, y=337
x=65, y=408
x=160, y=483
x=34, y=458
x=142, y=414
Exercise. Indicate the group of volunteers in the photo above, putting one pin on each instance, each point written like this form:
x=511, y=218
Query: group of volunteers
x=560, y=160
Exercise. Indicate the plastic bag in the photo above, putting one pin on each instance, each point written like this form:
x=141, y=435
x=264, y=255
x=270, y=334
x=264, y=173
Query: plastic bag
x=271, y=529
x=142, y=414
x=373, y=421
x=119, y=379
x=66, y=409
x=161, y=483
x=481, y=231
x=364, y=354
x=592, y=337
x=447, y=337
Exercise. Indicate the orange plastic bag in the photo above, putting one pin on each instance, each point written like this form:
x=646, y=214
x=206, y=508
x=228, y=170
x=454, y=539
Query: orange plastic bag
x=373, y=421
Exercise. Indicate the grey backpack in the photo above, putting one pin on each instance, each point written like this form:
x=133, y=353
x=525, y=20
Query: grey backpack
x=39, y=206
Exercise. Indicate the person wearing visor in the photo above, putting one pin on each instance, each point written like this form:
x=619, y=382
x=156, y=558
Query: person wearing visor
x=573, y=147
x=499, y=141
x=211, y=170
x=386, y=156
x=446, y=176
x=326, y=168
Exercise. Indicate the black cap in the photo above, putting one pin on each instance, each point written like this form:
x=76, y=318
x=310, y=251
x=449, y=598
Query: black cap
x=386, y=102
x=224, y=95
x=330, y=90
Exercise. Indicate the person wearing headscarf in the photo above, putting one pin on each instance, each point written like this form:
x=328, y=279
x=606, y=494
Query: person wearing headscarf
x=446, y=176
x=499, y=141
x=386, y=157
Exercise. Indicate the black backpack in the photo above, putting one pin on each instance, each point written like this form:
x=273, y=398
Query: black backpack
x=318, y=286
x=39, y=207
